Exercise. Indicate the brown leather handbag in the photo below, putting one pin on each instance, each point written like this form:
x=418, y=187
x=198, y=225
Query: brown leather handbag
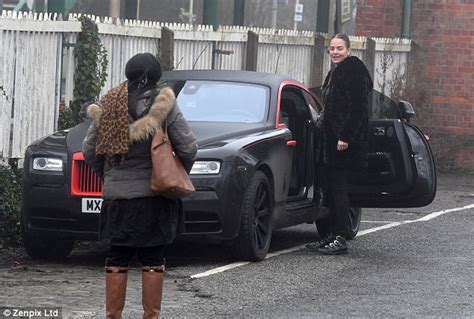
x=168, y=178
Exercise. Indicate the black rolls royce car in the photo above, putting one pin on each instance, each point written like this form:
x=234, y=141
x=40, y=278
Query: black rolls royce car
x=254, y=171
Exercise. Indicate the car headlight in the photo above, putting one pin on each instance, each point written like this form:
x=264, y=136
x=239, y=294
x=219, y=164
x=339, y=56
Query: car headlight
x=48, y=164
x=206, y=167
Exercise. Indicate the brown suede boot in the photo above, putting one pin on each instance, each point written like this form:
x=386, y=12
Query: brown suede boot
x=152, y=290
x=115, y=288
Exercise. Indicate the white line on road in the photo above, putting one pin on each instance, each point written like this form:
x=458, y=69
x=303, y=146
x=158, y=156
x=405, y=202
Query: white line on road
x=360, y=233
x=376, y=221
x=220, y=269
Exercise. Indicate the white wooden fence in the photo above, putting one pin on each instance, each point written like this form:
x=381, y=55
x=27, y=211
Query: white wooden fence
x=37, y=65
x=30, y=73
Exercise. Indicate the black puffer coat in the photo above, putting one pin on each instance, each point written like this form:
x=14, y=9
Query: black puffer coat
x=345, y=94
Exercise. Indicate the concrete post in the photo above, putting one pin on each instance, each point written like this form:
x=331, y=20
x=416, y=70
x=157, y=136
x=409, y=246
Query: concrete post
x=167, y=49
x=319, y=51
x=369, y=57
x=252, y=51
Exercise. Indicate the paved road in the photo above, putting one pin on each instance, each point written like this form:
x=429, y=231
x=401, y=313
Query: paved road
x=415, y=264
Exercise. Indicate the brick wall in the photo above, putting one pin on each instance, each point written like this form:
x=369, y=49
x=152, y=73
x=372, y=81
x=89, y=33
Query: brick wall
x=444, y=31
x=379, y=18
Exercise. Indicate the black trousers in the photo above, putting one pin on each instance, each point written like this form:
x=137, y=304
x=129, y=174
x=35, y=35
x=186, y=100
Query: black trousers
x=335, y=197
x=120, y=256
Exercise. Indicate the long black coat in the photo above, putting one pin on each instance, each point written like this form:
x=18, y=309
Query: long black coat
x=345, y=93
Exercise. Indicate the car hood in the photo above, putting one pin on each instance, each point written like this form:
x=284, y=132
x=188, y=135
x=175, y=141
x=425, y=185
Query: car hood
x=208, y=134
x=212, y=133
x=54, y=141
x=66, y=141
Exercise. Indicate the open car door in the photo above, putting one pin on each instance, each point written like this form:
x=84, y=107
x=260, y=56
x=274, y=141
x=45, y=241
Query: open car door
x=401, y=169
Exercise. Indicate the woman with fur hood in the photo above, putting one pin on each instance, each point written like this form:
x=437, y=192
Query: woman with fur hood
x=345, y=93
x=133, y=219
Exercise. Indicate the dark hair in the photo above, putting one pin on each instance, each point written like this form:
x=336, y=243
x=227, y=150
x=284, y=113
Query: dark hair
x=343, y=37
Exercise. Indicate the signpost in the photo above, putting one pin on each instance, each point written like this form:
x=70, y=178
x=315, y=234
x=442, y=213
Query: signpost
x=298, y=14
x=345, y=11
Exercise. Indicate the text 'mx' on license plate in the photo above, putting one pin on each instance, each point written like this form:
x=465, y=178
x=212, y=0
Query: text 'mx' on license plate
x=91, y=205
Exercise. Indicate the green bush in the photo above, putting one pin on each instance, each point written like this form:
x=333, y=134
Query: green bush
x=10, y=206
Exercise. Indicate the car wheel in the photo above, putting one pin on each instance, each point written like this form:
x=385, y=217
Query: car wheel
x=253, y=240
x=352, y=229
x=323, y=226
x=47, y=248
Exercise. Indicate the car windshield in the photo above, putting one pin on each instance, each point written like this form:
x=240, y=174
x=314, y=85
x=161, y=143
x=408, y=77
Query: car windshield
x=215, y=101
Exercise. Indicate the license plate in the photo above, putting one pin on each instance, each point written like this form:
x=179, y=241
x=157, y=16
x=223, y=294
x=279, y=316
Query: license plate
x=91, y=205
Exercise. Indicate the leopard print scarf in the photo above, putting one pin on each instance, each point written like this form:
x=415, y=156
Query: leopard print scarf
x=113, y=135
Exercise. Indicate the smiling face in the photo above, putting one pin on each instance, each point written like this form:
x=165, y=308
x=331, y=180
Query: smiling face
x=338, y=50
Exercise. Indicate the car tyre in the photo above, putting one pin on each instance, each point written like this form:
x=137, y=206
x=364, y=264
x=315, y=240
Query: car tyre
x=253, y=240
x=351, y=229
x=47, y=248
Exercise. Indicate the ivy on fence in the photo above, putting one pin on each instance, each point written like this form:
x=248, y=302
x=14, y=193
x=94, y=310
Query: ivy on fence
x=90, y=73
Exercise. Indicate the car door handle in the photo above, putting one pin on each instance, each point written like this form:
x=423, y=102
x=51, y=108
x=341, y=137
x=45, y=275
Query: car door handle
x=291, y=143
x=379, y=131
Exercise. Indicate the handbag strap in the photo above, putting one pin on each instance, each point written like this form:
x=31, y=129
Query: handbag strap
x=165, y=138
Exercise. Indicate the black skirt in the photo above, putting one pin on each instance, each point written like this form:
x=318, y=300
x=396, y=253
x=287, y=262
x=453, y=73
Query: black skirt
x=141, y=222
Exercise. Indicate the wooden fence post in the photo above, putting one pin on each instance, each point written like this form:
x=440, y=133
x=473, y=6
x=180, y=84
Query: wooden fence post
x=252, y=51
x=370, y=56
x=318, y=61
x=167, y=49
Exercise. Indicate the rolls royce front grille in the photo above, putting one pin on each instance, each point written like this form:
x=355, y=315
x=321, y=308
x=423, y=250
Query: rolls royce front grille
x=84, y=181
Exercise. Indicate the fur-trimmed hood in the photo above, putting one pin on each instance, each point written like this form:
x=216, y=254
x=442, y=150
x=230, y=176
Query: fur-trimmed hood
x=146, y=126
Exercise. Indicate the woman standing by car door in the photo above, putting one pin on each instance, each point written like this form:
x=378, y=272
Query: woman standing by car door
x=133, y=219
x=345, y=134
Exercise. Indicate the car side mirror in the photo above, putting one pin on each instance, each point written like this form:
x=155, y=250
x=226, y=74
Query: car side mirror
x=407, y=110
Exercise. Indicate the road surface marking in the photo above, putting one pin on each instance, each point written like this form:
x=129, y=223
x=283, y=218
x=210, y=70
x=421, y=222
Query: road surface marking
x=376, y=221
x=220, y=269
x=360, y=233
